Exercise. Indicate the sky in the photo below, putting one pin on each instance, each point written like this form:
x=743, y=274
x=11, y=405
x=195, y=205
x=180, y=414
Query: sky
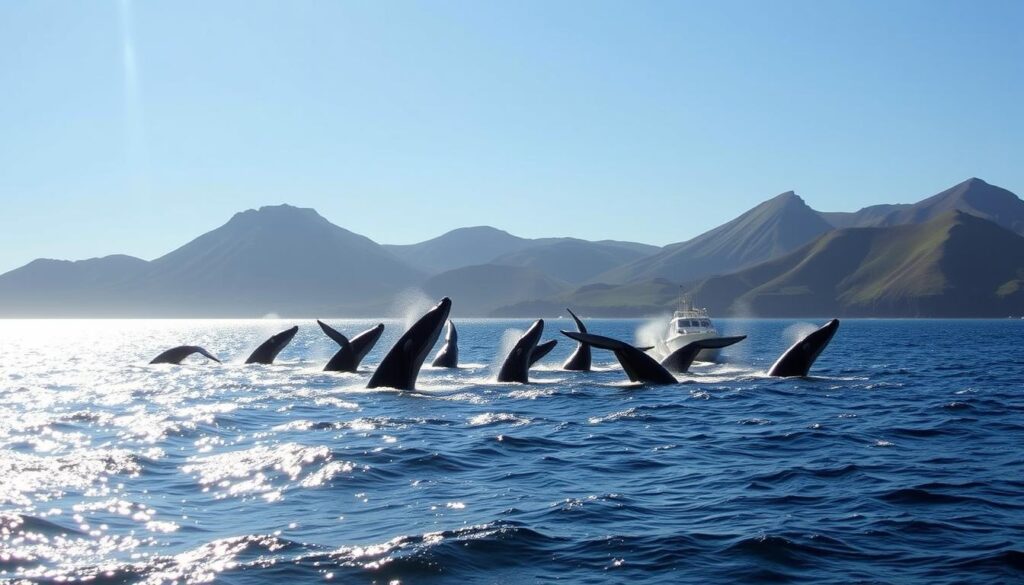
x=133, y=127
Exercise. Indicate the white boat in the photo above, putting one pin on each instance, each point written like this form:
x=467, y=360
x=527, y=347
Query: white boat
x=690, y=324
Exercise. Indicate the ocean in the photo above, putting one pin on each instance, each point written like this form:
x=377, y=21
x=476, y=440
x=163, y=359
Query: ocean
x=898, y=461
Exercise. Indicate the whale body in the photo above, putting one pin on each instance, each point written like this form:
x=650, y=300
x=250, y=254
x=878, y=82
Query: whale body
x=268, y=350
x=448, y=357
x=401, y=366
x=516, y=367
x=176, y=354
x=798, y=359
x=350, y=351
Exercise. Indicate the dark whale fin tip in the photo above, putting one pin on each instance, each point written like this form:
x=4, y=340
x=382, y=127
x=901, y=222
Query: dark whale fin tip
x=208, y=354
x=331, y=332
x=579, y=324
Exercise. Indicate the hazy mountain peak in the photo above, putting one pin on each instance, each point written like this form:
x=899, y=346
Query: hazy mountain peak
x=478, y=230
x=274, y=214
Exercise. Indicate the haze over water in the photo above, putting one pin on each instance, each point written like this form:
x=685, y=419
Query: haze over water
x=899, y=461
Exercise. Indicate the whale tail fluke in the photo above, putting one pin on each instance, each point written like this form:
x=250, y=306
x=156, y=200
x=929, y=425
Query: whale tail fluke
x=332, y=333
x=580, y=360
x=639, y=366
x=680, y=360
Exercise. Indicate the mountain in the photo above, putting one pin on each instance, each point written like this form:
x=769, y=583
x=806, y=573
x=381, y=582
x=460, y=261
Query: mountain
x=277, y=259
x=943, y=268
x=45, y=285
x=571, y=260
x=779, y=258
x=972, y=196
x=473, y=246
x=775, y=227
x=866, y=217
x=461, y=247
x=478, y=290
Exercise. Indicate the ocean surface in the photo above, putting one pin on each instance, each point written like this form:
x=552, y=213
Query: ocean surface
x=899, y=461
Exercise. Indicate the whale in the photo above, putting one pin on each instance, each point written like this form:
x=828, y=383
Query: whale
x=176, y=354
x=542, y=350
x=401, y=366
x=268, y=350
x=350, y=351
x=680, y=360
x=798, y=359
x=516, y=367
x=580, y=359
x=448, y=356
x=639, y=366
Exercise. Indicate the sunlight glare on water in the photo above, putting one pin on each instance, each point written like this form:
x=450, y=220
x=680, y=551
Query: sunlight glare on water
x=888, y=464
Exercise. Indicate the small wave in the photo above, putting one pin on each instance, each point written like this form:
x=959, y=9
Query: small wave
x=493, y=418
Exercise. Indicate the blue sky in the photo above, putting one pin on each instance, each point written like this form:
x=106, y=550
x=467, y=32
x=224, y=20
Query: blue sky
x=134, y=126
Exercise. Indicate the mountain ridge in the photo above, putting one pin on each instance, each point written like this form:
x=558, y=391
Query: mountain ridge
x=290, y=260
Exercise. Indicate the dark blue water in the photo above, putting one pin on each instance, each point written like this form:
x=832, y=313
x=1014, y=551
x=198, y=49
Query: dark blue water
x=899, y=461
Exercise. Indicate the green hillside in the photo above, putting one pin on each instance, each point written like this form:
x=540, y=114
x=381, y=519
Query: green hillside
x=956, y=265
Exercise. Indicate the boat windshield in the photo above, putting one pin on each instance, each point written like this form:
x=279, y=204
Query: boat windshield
x=684, y=324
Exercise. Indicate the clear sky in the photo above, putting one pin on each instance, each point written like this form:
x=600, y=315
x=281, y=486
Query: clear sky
x=132, y=127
